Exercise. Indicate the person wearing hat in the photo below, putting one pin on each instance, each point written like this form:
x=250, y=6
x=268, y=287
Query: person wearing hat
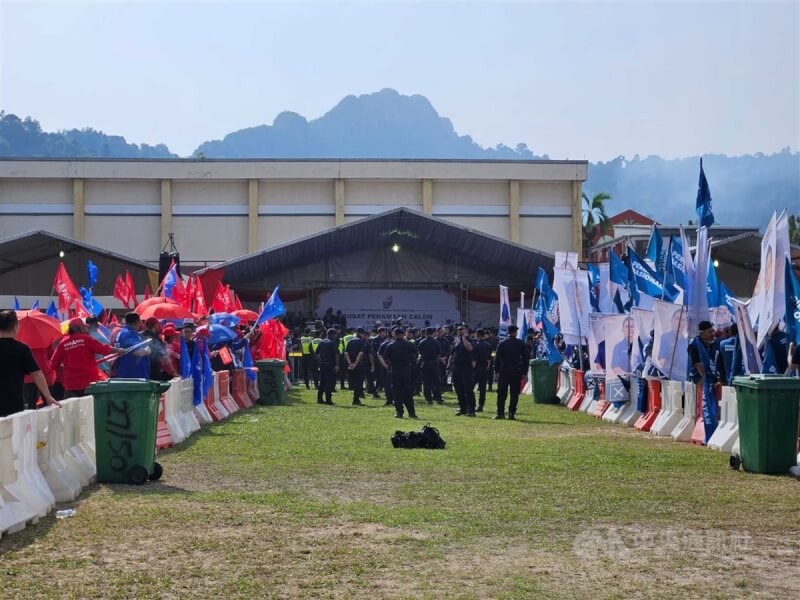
x=386, y=368
x=172, y=341
x=355, y=356
x=160, y=365
x=135, y=365
x=327, y=353
x=707, y=369
x=463, y=362
x=75, y=356
x=510, y=364
x=430, y=355
x=400, y=355
x=187, y=331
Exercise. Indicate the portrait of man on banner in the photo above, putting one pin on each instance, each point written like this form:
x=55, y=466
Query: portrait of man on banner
x=597, y=345
x=671, y=340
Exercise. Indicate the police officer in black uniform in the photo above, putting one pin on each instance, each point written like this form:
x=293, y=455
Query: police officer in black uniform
x=401, y=355
x=327, y=354
x=356, y=357
x=463, y=364
x=387, y=369
x=430, y=359
x=483, y=360
x=510, y=364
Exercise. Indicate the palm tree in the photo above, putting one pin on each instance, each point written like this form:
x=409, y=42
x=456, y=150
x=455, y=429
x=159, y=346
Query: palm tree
x=595, y=220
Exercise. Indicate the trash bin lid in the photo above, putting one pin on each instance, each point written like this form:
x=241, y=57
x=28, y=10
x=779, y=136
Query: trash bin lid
x=270, y=361
x=767, y=382
x=112, y=386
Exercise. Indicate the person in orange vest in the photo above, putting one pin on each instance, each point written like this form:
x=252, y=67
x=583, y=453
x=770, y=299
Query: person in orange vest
x=75, y=355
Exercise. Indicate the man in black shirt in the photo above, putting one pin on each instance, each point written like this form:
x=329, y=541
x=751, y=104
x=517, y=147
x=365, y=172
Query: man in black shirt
x=430, y=358
x=16, y=361
x=356, y=357
x=386, y=368
x=446, y=341
x=510, y=363
x=400, y=355
x=327, y=354
x=483, y=360
x=463, y=364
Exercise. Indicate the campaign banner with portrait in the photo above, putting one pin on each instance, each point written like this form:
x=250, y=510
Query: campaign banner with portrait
x=747, y=339
x=367, y=306
x=642, y=326
x=671, y=340
x=767, y=319
x=597, y=345
x=574, y=304
x=619, y=338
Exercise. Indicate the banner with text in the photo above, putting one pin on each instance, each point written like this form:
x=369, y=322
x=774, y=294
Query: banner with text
x=366, y=306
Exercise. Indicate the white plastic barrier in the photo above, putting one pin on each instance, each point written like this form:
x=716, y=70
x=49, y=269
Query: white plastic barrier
x=671, y=413
x=64, y=485
x=87, y=428
x=528, y=387
x=683, y=431
x=186, y=413
x=172, y=401
x=727, y=432
x=589, y=403
x=74, y=452
x=630, y=414
x=614, y=413
x=15, y=511
x=565, y=388
x=36, y=491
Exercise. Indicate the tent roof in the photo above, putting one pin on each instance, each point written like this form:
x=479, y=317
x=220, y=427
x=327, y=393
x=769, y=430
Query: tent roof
x=745, y=250
x=411, y=229
x=28, y=262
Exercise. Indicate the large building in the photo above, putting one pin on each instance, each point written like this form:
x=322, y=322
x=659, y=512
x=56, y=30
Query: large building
x=222, y=209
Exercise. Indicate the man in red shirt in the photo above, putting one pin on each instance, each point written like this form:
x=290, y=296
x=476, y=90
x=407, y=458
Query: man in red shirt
x=76, y=354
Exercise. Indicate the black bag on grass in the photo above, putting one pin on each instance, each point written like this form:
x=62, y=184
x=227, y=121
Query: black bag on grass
x=428, y=438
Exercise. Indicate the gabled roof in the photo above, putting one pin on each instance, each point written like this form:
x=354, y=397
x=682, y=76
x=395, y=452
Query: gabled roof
x=28, y=262
x=631, y=217
x=411, y=229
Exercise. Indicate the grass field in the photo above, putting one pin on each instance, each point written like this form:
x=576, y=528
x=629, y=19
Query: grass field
x=305, y=501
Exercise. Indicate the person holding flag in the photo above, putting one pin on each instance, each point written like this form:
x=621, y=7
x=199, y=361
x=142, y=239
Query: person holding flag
x=75, y=359
x=707, y=369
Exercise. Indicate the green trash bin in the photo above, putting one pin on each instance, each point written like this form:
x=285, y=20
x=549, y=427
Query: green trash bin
x=768, y=418
x=544, y=382
x=270, y=381
x=125, y=429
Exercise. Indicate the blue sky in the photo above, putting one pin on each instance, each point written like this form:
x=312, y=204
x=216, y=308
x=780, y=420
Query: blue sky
x=571, y=79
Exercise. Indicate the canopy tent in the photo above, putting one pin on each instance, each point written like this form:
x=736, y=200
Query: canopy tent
x=400, y=248
x=28, y=264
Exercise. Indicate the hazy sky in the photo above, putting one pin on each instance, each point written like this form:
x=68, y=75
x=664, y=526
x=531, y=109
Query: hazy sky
x=571, y=79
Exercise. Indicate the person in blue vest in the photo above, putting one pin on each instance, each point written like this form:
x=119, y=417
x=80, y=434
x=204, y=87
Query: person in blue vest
x=732, y=355
x=136, y=364
x=708, y=370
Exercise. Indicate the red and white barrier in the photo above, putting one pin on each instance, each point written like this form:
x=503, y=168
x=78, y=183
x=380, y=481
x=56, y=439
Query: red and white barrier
x=672, y=410
x=683, y=431
x=564, y=392
x=727, y=432
x=578, y=391
x=224, y=392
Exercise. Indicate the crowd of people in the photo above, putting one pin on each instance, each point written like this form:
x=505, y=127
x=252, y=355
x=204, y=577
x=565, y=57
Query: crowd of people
x=404, y=362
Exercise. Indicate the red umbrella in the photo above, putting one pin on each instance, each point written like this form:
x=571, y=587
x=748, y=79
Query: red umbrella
x=155, y=300
x=36, y=329
x=245, y=315
x=172, y=312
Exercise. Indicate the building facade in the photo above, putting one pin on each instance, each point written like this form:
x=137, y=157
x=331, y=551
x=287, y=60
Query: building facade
x=221, y=209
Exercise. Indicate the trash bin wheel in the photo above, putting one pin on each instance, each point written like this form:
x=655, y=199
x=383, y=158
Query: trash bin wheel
x=158, y=471
x=735, y=461
x=138, y=475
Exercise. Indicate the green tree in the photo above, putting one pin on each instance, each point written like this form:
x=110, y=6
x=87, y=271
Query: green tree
x=595, y=219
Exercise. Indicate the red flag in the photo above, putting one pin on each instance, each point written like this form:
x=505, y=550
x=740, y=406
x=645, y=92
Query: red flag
x=200, y=307
x=68, y=293
x=237, y=304
x=114, y=321
x=131, y=288
x=147, y=293
x=189, y=294
x=172, y=285
x=121, y=292
x=222, y=302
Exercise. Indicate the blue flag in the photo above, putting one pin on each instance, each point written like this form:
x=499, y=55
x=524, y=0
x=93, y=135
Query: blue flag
x=248, y=364
x=792, y=303
x=726, y=299
x=51, y=310
x=703, y=205
x=92, y=271
x=618, y=272
x=676, y=267
x=648, y=281
x=273, y=308
x=208, y=374
x=657, y=252
x=712, y=287
x=632, y=287
x=549, y=332
x=89, y=303
x=542, y=282
x=16, y=304
x=770, y=364
x=594, y=290
x=170, y=281
x=197, y=375
x=35, y=305
x=186, y=360
x=618, y=303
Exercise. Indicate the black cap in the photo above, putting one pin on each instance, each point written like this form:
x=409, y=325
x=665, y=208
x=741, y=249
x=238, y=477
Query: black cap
x=705, y=326
x=361, y=331
x=399, y=331
x=513, y=329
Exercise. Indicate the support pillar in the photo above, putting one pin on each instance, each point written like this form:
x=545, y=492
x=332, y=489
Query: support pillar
x=427, y=196
x=78, y=210
x=166, y=210
x=252, y=216
x=338, y=194
x=513, y=211
x=577, y=230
